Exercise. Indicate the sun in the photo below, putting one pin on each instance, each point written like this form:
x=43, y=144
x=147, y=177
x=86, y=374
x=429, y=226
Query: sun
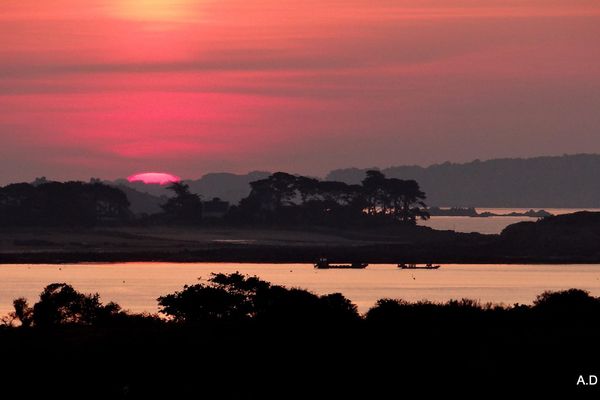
x=154, y=10
x=154, y=178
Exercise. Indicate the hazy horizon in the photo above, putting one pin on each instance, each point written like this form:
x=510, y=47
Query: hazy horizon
x=126, y=176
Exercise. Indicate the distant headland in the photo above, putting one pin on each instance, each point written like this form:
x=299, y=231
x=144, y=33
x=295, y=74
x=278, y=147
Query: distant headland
x=568, y=181
x=472, y=212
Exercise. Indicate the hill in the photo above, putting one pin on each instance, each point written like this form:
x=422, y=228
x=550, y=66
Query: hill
x=569, y=181
x=141, y=202
x=226, y=186
x=575, y=235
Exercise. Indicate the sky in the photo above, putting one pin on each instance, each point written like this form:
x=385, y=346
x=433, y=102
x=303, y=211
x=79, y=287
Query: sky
x=110, y=88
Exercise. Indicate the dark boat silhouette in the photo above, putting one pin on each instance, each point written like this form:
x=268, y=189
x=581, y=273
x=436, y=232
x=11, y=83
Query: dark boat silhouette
x=415, y=266
x=324, y=264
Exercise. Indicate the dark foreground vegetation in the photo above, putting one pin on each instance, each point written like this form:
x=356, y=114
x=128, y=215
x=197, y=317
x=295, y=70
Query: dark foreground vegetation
x=237, y=337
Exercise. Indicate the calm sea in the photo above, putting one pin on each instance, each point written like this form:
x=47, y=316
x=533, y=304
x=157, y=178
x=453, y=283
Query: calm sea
x=490, y=225
x=135, y=286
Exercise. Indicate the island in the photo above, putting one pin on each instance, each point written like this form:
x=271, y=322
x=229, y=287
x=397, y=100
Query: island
x=472, y=212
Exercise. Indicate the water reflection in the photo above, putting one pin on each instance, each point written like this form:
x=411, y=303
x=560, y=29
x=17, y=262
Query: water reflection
x=488, y=225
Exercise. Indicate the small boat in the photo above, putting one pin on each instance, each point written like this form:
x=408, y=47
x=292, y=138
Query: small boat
x=324, y=264
x=415, y=266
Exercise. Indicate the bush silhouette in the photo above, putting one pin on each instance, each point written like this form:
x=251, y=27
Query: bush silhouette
x=200, y=303
x=235, y=297
x=565, y=299
x=238, y=298
x=22, y=314
x=61, y=304
x=571, y=304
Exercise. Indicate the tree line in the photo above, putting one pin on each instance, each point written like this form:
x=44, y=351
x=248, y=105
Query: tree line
x=280, y=199
x=238, y=298
x=285, y=198
x=62, y=204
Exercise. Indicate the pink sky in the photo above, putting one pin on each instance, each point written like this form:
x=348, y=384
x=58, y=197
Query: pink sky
x=110, y=88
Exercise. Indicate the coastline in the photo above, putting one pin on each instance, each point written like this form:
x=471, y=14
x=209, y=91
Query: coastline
x=282, y=255
x=567, y=239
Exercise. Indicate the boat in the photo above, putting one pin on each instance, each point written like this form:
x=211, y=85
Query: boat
x=415, y=266
x=324, y=264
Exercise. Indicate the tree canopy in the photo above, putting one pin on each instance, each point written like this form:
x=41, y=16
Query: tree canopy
x=57, y=203
x=286, y=198
x=236, y=297
x=185, y=207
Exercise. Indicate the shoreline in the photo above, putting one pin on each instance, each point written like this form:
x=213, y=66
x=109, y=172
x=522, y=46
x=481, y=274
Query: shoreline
x=282, y=255
x=568, y=239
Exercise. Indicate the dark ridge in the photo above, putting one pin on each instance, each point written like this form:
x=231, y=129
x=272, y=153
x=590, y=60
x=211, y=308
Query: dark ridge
x=569, y=181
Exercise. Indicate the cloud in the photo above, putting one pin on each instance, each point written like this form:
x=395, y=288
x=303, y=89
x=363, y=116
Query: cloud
x=305, y=86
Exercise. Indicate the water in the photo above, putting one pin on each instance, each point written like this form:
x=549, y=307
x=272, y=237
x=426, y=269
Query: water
x=490, y=225
x=135, y=286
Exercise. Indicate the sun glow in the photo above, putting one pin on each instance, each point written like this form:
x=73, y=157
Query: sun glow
x=154, y=10
x=154, y=178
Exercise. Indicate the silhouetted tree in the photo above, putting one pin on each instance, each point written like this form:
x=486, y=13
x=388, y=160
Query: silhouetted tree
x=268, y=197
x=23, y=314
x=40, y=181
x=228, y=297
x=374, y=190
x=54, y=203
x=339, y=307
x=405, y=201
x=289, y=199
x=396, y=198
x=235, y=297
x=571, y=304
x=201, y=303
x=110, y=203
x=61, y=304
x=185, y=207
